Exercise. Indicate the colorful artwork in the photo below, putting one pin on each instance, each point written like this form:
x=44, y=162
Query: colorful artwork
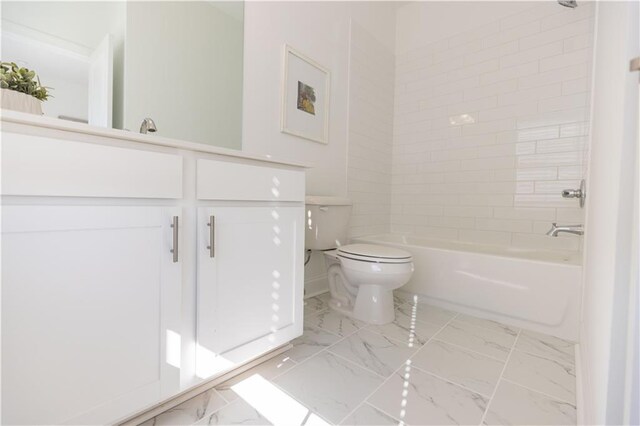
x=306, y=98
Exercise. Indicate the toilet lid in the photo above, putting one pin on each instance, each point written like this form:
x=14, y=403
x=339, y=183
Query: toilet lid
x=374, y=253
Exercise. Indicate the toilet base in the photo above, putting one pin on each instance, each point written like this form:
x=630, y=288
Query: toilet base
x=373, y=305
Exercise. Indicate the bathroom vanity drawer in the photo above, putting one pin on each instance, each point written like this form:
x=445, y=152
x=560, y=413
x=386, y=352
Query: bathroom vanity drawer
x=40, y=166
x=218, y=180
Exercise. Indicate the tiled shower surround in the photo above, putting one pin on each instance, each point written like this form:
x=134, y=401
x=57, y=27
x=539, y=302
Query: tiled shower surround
x=490, y=125
x=371, y=70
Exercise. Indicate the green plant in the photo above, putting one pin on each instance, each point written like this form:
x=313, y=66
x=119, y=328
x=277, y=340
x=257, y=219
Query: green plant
x=22, y=80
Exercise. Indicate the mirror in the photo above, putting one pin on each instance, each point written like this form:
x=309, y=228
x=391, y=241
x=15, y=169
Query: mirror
x=113, y=64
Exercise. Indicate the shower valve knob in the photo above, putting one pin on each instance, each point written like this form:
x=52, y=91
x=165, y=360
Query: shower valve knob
x=572, y=193
x=579, y=193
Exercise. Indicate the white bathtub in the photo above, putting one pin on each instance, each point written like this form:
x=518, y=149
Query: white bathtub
x=536, y=290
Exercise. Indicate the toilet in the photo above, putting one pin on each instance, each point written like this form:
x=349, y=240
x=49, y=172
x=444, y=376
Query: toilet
x=361, y=277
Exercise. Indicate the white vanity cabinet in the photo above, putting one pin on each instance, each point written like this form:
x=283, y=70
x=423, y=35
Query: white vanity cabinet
x=108, y=307
x=248, y=260
x=248, y=270
x=90, y=305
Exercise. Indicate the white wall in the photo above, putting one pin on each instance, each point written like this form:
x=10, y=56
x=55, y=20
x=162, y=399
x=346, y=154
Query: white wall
x=523, y=81
x=183, y=68
x=610, y=284
x=371, y=81
x=321, y=31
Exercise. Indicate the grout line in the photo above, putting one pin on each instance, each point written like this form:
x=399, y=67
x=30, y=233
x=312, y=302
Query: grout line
x=539, y=392
x=470, y=350
x=326, y=349
x=394, y=339
x=222, y=396
x=272, y=382
x=355, y=363
x=396, y=372
x=548, y=357
x=317, y=327
x=298, y=400
x=444, y=379
x=180, y=407
x=414, y=309
x=366, y=328
x=500, y=378
x=365, y=400
x=314, y=356
x=255, y=367
x=432, y=338
x=314, y=313
x=435, y=339
x=506, y=326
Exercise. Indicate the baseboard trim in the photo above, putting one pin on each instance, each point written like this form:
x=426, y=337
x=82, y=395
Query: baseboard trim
x=316, y=286
x=580, y=415
x=183, y=396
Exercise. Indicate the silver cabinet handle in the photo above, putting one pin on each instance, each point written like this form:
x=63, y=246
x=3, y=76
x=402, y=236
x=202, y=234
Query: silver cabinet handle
x=174, y=250
x=212, y=236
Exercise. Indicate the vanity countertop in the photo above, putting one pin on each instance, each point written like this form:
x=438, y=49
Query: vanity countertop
x=20, y=118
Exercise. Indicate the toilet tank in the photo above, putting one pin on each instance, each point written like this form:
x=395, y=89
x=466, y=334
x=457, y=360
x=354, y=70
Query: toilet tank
x=326, y=222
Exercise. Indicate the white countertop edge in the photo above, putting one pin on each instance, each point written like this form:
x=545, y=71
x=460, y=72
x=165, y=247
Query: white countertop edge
x=70, y=126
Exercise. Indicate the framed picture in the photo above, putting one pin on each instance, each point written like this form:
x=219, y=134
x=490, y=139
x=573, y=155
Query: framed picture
x=305, y=97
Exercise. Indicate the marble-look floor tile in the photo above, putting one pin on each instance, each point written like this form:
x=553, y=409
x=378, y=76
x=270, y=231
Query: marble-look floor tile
x=428, y=400
x=405, y=330
x=312, y=341
x=190, y=411
x=554, y=378
x=488, y=324
x=325, y=297
x=236, y=413
x=315, y=304
x=488, y=342
x=329, y=385
x=427, y=313
x=454, y=365
x=334, y=322
x=366, y=415
x=472, y=370
x=401, y=297
x=268, y=370
x=546, y=346
x=374, y=351
x=515, y=405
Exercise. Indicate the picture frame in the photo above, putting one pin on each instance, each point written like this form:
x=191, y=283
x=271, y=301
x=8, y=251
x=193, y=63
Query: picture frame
x=305, y=97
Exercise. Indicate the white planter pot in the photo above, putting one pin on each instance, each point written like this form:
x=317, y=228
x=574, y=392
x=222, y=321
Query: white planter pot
x=10, y=99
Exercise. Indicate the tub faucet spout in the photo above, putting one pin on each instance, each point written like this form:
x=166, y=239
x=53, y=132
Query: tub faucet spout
x=569, y=229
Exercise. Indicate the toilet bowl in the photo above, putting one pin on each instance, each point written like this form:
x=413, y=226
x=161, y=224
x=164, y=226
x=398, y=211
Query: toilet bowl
x=362, y=278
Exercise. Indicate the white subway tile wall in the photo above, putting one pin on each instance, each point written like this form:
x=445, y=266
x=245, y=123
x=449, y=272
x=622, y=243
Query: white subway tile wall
x=489, y=126
x=371, y=88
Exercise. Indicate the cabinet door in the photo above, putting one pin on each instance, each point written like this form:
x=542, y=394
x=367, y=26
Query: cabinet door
x=90, y=312
x=249, y=285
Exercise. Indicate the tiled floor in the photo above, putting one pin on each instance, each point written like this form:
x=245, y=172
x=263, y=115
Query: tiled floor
x=430, y=367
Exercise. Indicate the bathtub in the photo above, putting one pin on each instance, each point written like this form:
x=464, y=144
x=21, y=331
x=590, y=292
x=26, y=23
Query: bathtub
x=536, y=290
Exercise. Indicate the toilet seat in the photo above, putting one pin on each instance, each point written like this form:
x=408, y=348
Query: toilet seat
x=362, y=278
x=373, y=253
